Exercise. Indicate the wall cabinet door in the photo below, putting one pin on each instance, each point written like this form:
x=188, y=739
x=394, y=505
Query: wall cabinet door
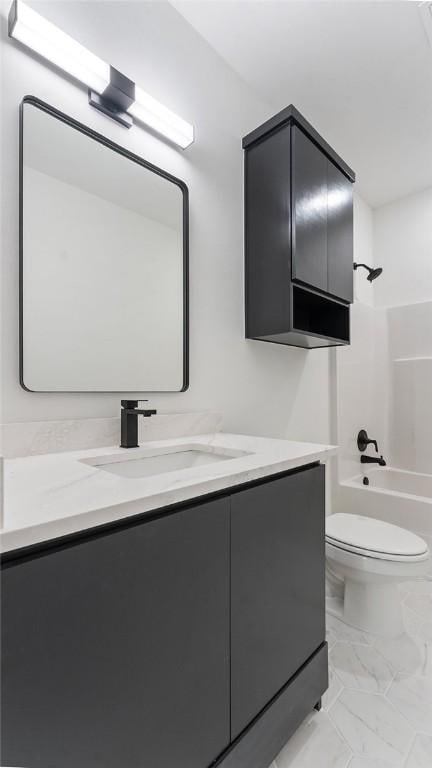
x=339, y=234
x=309, y=211
x=322, y=227
x=277, y=577
x=268, y=233
x=116, y=649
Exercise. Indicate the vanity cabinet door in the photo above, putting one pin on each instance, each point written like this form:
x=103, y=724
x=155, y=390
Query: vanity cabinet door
x=116, y=648
x=309, y=211
x=278, y=587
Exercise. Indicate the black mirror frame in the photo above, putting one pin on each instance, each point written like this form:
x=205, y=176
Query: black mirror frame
x=145, y=164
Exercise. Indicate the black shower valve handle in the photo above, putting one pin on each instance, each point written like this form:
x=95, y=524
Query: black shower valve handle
x=363, y=441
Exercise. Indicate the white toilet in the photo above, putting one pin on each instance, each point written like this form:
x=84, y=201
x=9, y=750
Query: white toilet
x=373, y=558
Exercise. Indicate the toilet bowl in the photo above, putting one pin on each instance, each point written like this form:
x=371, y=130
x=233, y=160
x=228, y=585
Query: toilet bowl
x=373, y=558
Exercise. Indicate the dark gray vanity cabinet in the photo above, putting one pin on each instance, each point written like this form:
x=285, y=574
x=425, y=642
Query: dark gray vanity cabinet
x=116, y=649
x=277, y=587
x=188, y=638
x=298, y=235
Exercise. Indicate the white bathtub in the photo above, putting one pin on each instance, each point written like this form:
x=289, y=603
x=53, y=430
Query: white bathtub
x=393, y=495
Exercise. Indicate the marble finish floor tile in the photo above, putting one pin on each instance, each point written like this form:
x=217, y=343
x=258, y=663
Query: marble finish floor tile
x=425, y=630
x=420, y=632
x=377, y=711
x=331, y=638
x=412, y=696
x=425, y=651
x=345, y=633
x=361, y=667
x=372, y=726
x=334, y=689
x=405, y=654
x=368, y=762
x=315, y=743
x=420, y=587
x=334, y=606
x=420, y=755
x=420, y=604
x=412, y=621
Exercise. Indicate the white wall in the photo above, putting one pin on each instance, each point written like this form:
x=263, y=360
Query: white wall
x=260, y=388
x=403, y=247
x=363, y=251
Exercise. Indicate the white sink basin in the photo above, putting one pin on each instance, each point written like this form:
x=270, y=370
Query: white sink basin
x=146, y=464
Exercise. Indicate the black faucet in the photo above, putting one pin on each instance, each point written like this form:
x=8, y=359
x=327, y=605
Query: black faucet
x=373, y=460
x=362, y=443
x=129, y=422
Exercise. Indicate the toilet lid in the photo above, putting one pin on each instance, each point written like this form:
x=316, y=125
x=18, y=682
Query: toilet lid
x=371, y=535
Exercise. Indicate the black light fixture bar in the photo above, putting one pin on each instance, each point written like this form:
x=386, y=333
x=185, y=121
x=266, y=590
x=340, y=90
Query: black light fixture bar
x=116, y=99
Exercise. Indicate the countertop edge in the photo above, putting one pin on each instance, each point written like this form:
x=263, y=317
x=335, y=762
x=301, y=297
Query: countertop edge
x=49, y=530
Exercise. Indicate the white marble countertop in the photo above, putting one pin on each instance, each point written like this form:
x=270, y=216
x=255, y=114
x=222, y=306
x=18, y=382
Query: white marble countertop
x=56, y=494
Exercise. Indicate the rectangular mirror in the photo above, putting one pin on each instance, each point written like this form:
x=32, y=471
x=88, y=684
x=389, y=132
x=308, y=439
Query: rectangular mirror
x=104, y=263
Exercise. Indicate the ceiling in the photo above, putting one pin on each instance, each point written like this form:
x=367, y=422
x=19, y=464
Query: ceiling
x=361, y=72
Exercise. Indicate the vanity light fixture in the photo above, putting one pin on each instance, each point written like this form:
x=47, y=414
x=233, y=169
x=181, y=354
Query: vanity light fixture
x=110, y=91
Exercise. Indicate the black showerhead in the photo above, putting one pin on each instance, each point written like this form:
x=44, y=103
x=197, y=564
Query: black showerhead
x=373, y=273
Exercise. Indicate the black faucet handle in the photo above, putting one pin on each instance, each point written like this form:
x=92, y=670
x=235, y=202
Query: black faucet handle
x=363, y=441
x=146, y=411
x=131, y=403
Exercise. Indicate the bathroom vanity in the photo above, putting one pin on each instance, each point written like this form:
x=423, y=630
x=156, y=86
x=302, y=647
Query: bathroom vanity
x=180, y=624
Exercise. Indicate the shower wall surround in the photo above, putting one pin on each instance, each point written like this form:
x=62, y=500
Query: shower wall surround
x=403, y=245
x=410, y=360
x=384, y=379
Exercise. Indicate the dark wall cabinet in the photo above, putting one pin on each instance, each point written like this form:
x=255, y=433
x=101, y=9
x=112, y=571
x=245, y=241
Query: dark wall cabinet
x=298, y=235
x=160, y=642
